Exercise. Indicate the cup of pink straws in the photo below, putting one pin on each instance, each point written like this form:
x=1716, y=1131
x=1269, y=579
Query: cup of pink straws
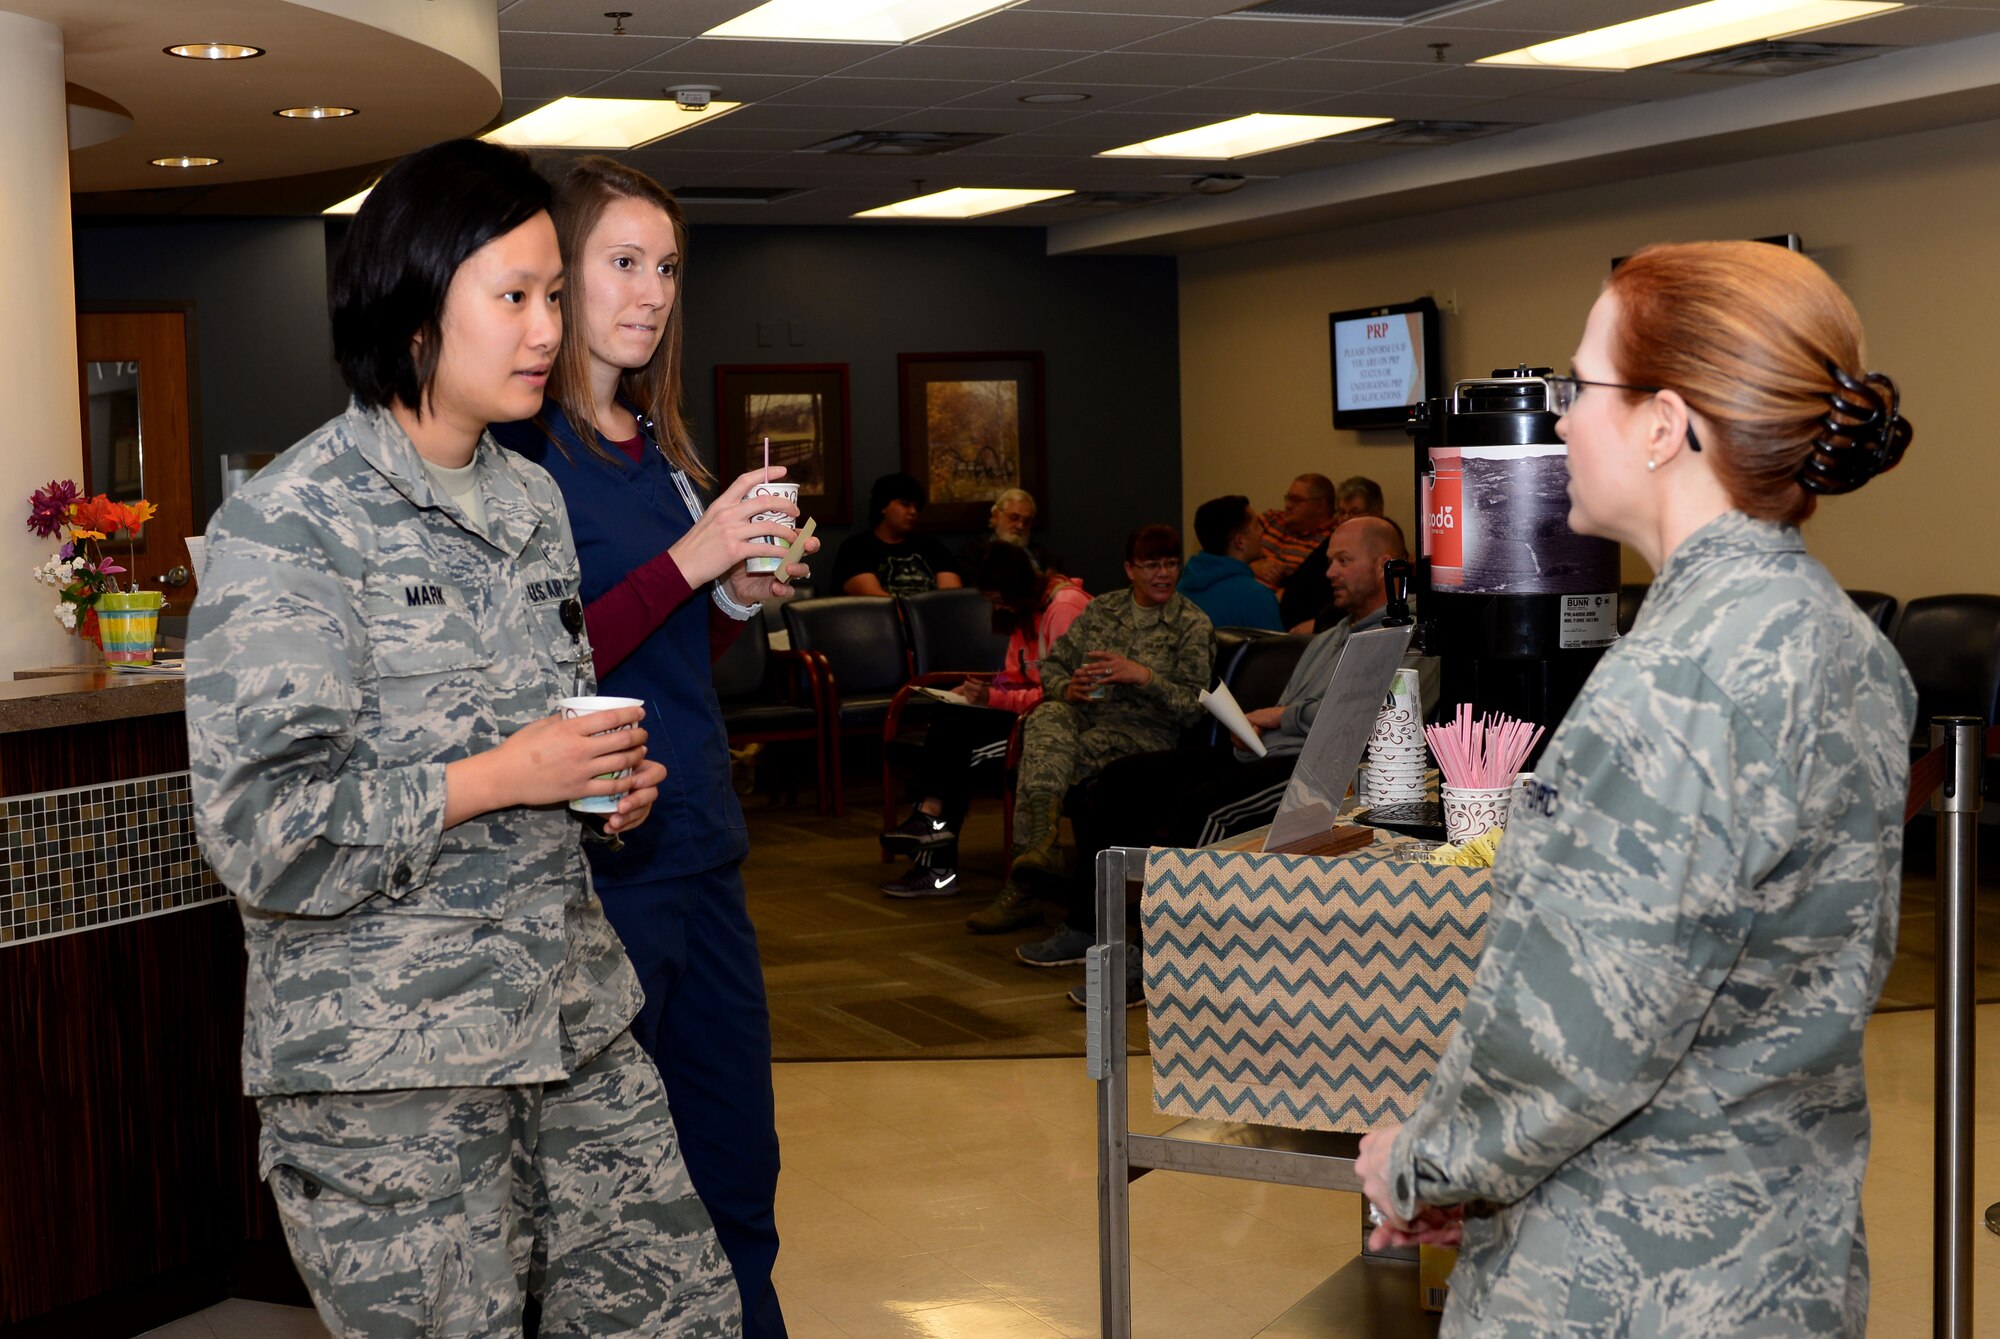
x=1477, y=762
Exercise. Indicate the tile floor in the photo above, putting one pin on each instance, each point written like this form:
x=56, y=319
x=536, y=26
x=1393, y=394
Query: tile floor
x=957, y=1200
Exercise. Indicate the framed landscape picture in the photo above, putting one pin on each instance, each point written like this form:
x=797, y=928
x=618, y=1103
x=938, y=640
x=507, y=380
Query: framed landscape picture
x=802, y=409
x=972, y=429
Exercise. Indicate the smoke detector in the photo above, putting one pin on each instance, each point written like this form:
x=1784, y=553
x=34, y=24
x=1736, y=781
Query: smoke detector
x=1218, y=183
x=693, y=97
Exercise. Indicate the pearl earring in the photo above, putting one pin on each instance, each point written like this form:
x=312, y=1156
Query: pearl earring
x=1652, y=465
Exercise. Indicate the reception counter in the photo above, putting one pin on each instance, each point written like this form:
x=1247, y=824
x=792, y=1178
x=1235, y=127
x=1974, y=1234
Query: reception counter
x=127, y=1188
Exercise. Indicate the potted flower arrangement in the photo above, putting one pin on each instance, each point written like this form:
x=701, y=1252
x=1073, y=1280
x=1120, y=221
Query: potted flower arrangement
x=85, y=577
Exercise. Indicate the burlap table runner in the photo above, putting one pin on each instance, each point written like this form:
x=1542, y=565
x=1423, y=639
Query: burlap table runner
x=1302, y=991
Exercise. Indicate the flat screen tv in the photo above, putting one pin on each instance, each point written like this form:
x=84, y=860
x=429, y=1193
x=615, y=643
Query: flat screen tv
x=1385, y=363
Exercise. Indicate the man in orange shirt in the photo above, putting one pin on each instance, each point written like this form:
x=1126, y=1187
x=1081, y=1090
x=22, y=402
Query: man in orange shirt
x=1296, y=529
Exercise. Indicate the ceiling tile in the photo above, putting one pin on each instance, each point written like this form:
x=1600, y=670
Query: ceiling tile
x=843, y=92
x=1119, y=67
x=967, y=120
x=924, y=61
x=1488, y=81
x=1413, y=44
x=1210, y=101
x=1390, y=102
x=729, y=56
x=1039, y=31
x=791, y=116
x=1536, y=110
x=566, y=51
x=1530, y=18
x=1187, y=9
x=546, y=85
x=1271, y=38
x=1008, y=96
x=653, y=83
x=1317, y=76
x=1914, y=27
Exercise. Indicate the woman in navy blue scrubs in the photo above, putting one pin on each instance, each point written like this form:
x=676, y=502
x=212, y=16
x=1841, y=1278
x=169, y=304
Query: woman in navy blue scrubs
x=665, y=592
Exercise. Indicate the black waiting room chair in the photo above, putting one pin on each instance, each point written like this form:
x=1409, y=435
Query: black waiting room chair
x=770, y=696
x=854, y=646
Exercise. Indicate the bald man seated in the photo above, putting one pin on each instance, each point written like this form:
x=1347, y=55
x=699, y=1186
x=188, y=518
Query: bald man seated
x=1191, y=797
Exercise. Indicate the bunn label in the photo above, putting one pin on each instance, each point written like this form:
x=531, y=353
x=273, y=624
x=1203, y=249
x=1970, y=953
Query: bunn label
x=1588, y=622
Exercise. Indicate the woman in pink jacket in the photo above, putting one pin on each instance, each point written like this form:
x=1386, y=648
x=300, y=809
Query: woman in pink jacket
x=1034, y=609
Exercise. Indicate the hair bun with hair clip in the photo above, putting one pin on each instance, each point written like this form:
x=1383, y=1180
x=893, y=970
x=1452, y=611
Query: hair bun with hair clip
x=1862, y=435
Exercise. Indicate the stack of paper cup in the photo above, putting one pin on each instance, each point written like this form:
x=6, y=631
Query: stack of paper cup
x=1396, y=757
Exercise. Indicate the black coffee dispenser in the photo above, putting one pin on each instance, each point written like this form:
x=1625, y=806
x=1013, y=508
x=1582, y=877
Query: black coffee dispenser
x=1516, y=605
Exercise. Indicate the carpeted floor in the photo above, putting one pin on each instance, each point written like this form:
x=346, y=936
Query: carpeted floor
x=854, y=975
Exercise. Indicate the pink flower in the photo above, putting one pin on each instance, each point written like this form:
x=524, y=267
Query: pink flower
x=49, y=507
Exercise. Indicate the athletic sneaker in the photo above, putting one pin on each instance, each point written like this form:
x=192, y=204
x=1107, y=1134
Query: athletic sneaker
x=1064, y=948
x=923, y=881
x=919, y=832
x=1135, y=982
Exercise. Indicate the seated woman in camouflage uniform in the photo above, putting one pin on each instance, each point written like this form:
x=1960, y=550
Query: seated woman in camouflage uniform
x=1652, y=1117
x=456, y=1121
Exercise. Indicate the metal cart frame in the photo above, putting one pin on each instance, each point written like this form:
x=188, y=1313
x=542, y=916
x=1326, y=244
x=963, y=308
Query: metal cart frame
x=1248, y=1152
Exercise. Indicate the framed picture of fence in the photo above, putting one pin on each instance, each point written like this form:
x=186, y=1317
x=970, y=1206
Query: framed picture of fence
x=972, y=429
x=802, y=408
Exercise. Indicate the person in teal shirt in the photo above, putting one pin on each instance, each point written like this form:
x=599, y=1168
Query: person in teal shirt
x=1218, y=579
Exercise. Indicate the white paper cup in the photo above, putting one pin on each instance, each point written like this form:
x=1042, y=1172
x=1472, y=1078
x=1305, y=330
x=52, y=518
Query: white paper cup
x=1469, y=811
x=573, y=707
x=790, y=493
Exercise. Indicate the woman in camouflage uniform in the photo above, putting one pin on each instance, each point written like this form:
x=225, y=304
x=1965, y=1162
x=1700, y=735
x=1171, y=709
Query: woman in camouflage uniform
x=457, y=1125
x=1652, y=1117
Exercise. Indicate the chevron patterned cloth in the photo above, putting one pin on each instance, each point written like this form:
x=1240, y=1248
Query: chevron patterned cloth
x=1304, y=991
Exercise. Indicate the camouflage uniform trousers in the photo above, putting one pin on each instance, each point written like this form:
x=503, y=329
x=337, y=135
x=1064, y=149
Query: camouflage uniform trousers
x=1064, y=744
x=436, y=1212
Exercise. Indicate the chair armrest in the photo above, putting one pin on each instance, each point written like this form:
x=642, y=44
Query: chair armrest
x=813, y=670
x=892, y=722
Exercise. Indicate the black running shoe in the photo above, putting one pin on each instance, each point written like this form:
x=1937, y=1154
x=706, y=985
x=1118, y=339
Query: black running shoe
x=918, y=832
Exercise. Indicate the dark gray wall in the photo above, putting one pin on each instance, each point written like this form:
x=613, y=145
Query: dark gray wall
x=262, y=348
x=1106, y=327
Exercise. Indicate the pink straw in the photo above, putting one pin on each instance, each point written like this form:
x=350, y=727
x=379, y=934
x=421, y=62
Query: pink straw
x=767, y=460
x=1483, y=754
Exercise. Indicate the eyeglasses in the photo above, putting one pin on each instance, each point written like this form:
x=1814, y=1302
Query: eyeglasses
x=1564, y=390
x=1563, y=393
x=1153, y=566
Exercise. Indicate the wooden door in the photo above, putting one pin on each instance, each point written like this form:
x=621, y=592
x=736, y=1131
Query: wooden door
x=133, y=375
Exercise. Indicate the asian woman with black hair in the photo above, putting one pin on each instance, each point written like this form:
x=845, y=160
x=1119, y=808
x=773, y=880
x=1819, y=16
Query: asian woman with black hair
x=456, y=1122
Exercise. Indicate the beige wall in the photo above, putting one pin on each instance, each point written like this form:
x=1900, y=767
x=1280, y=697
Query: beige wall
x=1910, y=227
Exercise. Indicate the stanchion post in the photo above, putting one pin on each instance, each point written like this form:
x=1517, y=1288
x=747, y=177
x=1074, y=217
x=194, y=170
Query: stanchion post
x=1957, y=804
x=1105, y=1019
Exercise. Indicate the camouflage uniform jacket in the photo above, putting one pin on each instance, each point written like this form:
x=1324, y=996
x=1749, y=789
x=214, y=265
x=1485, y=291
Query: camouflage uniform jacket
x=354, y=634
x=1174, y=640
x=1653, y=1106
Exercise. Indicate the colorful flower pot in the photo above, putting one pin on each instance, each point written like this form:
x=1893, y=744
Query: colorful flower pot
x=128, y=622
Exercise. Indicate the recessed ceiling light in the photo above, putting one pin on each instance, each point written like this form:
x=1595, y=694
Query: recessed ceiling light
x=603, y=123
x=1259, y=132
x=1042, y=99
x=352, y=204
x=960, y=202
x=856, y=20
x=213, y=51
x=1684, y=32
x=313, y=113
x=186, y=160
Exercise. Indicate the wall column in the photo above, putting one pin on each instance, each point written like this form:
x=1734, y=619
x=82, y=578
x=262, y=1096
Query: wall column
x=42, y=436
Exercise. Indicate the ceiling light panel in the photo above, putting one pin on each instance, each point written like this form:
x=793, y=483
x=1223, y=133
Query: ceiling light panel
x=603, y=123
x=352, y=204
x=961, y=202
x=1244, y=136
x=1685, y=32
x=855, y=20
